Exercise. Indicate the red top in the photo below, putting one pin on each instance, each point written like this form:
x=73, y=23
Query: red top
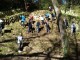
x=31, y=17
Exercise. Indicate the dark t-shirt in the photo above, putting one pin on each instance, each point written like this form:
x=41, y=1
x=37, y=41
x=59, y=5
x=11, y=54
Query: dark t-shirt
x=74, y=29
x=38, y=24
x=30, y=24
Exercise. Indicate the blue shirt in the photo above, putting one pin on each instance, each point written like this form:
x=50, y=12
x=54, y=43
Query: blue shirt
x=22, y=18
x=47, y=14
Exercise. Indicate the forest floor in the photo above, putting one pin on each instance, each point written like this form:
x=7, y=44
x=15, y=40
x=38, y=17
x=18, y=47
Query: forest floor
x=37, y=46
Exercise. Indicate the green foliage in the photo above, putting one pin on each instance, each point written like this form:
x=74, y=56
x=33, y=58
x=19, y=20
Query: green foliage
x=44, y=4
x=9, y=12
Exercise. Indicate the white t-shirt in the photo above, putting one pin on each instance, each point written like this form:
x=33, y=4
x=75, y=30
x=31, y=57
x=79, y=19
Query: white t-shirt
x=72, y=26
x=41, y=18
x=19, y=39
x=36, y=17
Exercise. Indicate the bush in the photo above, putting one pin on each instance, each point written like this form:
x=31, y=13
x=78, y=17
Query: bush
x=44, y=4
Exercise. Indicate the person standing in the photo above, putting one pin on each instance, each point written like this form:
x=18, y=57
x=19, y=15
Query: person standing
x=53, y=16
x=38, y=26
x=1, y=26
x=47, y=26
x=42, y=19
x=29, y=26
x=23, y=18
x=73, y=28
x=20, y=42
x=47, y=16
x=31, y=18
x=65, y=23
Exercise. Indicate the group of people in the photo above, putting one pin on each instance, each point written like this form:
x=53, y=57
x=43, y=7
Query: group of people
x=73, y=26
x=44, y=21
x=38, y=22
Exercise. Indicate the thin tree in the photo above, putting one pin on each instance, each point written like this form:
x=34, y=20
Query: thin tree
x=60, y=26
x=25, y=4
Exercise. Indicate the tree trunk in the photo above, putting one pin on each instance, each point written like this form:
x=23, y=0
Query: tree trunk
x=57, y=12
x=60, y=26
x=25, y=4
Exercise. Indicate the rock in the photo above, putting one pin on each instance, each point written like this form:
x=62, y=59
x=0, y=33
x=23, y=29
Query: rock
x=27, y=49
